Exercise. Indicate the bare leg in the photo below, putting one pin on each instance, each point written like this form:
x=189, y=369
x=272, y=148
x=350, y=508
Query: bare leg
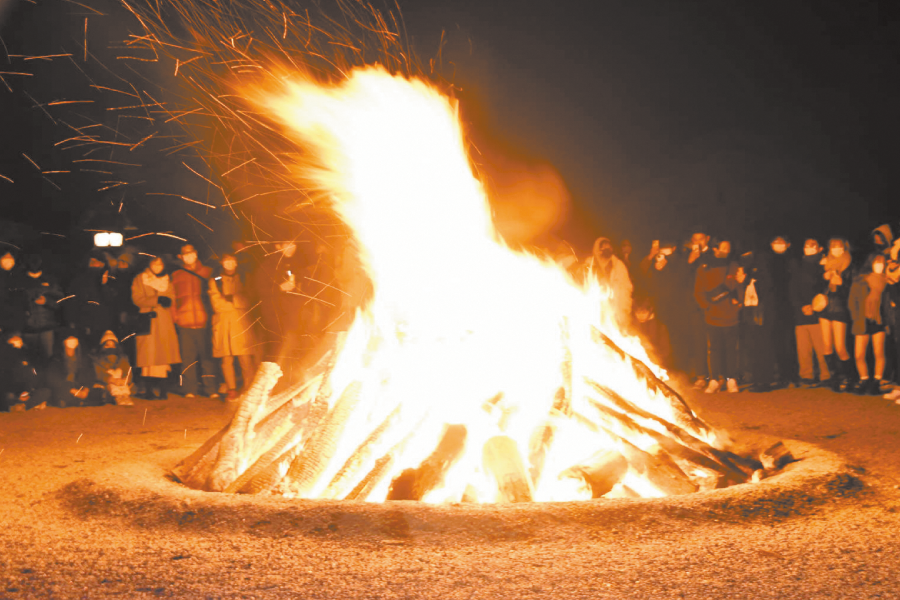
x=862, y=343
x=228, y=372
x=828, y=347
x=878, y=350
x=839, y=330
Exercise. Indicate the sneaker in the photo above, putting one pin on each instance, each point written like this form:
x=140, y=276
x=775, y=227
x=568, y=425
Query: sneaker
x=190, y=395
x=713, y=386
x=700, y=383
x=215, y=395
x=732, y=386
x=124, y=401
x=893, y=395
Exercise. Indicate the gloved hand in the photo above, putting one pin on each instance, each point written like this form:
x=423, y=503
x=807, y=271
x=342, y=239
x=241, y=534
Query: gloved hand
x=164, y=301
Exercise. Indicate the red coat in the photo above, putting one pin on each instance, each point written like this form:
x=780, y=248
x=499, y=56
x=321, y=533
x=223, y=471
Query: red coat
x=190, y=308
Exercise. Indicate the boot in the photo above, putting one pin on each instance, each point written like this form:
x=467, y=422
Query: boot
x=861, y=388
x=832, y=362
x=837, y=372
x=874, y=388
x=845, y=368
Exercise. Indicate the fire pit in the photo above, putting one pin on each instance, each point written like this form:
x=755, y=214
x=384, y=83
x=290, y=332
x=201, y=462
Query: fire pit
x=475, y=372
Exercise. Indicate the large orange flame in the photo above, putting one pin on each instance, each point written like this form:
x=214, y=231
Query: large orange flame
x=461, y=329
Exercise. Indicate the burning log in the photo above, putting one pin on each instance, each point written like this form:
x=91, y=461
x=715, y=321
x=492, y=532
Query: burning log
x=314, y=457
x=775, y=457
x=413, y=484
x=502, y=459
x=601, y=472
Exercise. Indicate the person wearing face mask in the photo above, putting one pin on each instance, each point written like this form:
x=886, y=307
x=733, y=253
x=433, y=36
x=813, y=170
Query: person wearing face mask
x=41, y=294
x=778, y=322
x=612, y=275
x=892, y=312
x=834, y=315
x=12, y=311
x=22, y=384
x=71, y=374
x=805, y=275
x=279, y=282
x=867, y=308
x=233, y=326
x=697, y=253
x=190, y=280
x=90, y=303
x=113, y=370
x=157, y=346
x=716, y=293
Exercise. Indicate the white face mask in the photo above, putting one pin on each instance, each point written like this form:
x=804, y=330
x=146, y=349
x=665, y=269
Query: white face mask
x=779, y=248
x=229, y=265
x=837, y=252
x=71, y=343
x=7, y=262
x=810, y=250
x=189, y=258
x=878, y=268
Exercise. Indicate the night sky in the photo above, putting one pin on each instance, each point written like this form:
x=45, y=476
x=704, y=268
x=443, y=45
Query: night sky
x=745, y=119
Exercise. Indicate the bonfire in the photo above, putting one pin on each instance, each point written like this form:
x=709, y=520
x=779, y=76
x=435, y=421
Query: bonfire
x=474, y=372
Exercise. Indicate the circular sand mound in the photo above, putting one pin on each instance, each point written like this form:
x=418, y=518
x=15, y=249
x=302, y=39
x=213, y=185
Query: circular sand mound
x=140, y=494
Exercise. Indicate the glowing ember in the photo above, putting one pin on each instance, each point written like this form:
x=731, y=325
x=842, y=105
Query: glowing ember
x=475, y=372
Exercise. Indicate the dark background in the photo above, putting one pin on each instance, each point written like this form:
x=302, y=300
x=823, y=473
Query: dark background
x=745, y=119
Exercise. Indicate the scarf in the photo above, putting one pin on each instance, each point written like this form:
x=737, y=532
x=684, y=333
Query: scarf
x=836, y=265
x=877, y=283
x=160, y=283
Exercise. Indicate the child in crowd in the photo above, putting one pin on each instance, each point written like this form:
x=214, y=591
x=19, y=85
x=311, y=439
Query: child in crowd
x=71, y=375
x=653, y=333
x=113, y=370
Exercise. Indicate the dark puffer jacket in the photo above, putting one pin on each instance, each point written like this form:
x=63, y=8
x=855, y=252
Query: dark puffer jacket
x=716, y=292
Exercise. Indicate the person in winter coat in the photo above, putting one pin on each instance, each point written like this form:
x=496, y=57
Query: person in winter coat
x=805, y=275
x=12, y=310
x=715, y=292
x=779, y=322
x=22, y=384
x=71, y=375
x=754, y=347
x=892, y=311
x=279, y=281
x=662, y=275
x=233, y=331
x=157, y=349
x=113, y=370
x=41, y=294
x=190, y=281
x=612, y=275
x=834, y=315
x=91, y=304
x=867, y=306
x=698, y=251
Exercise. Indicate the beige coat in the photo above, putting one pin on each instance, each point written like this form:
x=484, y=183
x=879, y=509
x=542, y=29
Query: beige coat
x=233, y=327
x=160, y=347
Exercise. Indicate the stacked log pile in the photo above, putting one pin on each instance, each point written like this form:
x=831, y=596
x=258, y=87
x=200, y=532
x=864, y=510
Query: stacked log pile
x=286, y=443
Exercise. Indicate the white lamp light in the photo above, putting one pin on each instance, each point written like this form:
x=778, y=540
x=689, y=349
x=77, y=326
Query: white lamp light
x=115, y=239
x=101, y=239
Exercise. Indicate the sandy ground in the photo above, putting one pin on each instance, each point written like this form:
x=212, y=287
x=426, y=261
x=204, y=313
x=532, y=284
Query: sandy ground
x=86, y=513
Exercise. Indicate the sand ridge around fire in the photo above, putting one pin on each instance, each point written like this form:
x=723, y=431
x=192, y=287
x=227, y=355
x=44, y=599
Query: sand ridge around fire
x=87, y=512
x=140, y=493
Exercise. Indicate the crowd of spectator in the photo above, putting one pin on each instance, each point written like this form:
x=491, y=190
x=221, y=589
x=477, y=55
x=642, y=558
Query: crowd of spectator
x=131, y=326
x=135, y=325
x=761, y=320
